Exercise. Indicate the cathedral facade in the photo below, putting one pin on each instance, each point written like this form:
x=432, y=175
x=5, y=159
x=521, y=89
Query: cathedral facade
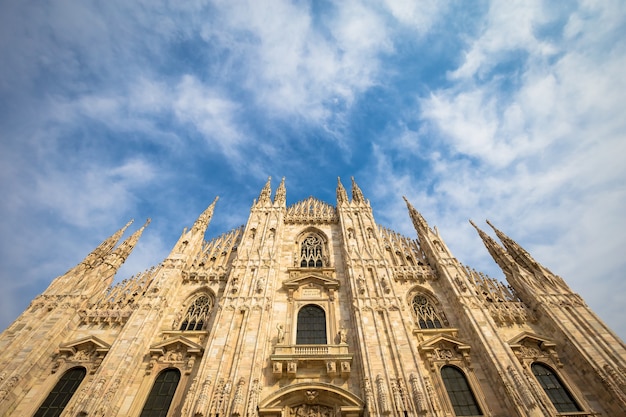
x=310, y=310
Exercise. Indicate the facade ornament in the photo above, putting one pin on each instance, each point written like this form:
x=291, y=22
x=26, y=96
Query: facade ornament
x=188, y=398
x=203, y=398
x=311, y=396
x=238, y=399
x=418, y=396
x=343, y=336
x=382, y=395
x=253, y=399
x=280, y=338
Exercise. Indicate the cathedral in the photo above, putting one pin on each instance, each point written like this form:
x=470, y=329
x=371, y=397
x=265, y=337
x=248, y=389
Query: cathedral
x=310, y=310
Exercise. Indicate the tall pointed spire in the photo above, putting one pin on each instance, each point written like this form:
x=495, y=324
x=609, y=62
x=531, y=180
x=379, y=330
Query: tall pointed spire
x=120, y=254
x=281, y=194
x=496, y=251
x=518, y=253
x=418, y=221
x=105, y=247
x=357, y=194
x=204, y=219
x=266, y=193
x=342, y=196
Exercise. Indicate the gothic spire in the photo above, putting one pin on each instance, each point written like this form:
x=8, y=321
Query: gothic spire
x=105, y=247
x=266, y=193
x=357, y=194
x=119, y=255
x=418, y=221
x=342, y=196
x=496, y=251
x=281, y=194
x=518, y=253
x=204, y=219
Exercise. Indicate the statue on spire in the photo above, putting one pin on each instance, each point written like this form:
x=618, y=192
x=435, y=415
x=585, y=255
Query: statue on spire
x=281, y=194
x=357, y=194
x=204, y=219
x=342, y=196
x=266, y=193
x=418, y=221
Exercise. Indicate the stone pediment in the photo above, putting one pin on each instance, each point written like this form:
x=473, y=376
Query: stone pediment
x=87, y=344
x=305, y=278
x=176, y=343
x=529, y=347
x=306, y=284
x=443, y=340
x=528, y=338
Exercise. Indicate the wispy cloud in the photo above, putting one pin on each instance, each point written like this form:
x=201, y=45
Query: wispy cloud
x=506, y=110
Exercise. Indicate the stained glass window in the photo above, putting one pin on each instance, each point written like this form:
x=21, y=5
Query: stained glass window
x=554, y=388
x=61, y=394
x=161, y=394
x=311, y=326
x=427, y=316
x=197, y=314
x=311, y=255
x=459, y=392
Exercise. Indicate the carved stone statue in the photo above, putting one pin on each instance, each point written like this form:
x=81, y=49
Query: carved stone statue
x=281, y=333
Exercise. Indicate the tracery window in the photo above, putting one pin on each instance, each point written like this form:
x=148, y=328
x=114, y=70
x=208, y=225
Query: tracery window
x=311, y=328
x=555, y=390
x=197, y=314
x=427, y=316
x=459, y=392
x=161, y=394
x=55, y=402
x=311, y=253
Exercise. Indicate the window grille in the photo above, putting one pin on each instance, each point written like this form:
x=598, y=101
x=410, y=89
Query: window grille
x=311, y=254
x=55, y=402
x=161, y=394
x=427, y=316
x=459, y=392
x=311, y=326
x=197, y=314
x=554, y=388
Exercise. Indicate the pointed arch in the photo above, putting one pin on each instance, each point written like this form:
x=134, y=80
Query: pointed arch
x=426, y=309
x=62, y=393
x=459, y=392
x=198, y=313
x=554, y=388
x=312, y=249
x=160, y=398
x=311, y=327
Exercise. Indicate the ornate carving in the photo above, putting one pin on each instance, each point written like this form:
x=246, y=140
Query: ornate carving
x=203, y=398
x=383, y=400
x=418, y=396
x=311, y=210
x=522, y=388
x=253, y=399
x=309, y=410
x=8, y=387
x=369, y=395
x=238, y=399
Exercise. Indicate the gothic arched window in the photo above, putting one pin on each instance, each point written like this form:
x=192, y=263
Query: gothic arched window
x=311, y=253
x=311, y=326
x=161, y=394
x=427, y=316
x=554, y=388
x=61, y=394
x=197, y=314
x=459, y=392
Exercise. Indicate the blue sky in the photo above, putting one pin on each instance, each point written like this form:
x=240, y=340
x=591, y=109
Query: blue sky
x=508, y=111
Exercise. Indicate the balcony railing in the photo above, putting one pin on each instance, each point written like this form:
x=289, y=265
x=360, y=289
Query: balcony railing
x=306, y=351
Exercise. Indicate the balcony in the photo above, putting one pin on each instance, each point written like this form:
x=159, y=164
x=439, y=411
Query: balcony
x=332, y=360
